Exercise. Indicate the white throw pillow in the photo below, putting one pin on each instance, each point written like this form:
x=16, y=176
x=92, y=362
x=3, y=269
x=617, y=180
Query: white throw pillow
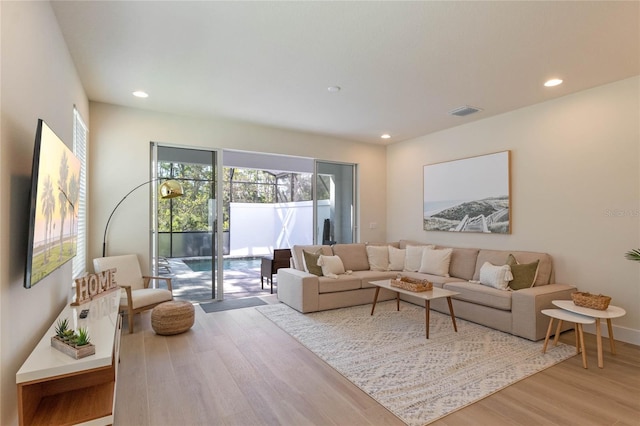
x=378, y=258
x=331, y=265
x=396, y=258
x=435, y=262
x=413, y=257
x=495, y=276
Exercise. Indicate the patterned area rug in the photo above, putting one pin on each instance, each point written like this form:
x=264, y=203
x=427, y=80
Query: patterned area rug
x=419, y=380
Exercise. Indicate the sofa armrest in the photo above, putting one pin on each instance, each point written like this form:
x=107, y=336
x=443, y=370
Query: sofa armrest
x=527, y=304
x=298, y=289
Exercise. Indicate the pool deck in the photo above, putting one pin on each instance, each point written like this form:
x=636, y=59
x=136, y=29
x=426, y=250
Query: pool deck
x=195, y=286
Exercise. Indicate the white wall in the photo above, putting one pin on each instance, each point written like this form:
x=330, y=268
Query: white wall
x=120, y=139
x=39, y=80
x=575, y=185
x=256, y=229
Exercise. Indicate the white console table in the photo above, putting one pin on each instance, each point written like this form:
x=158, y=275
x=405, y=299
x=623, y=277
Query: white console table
x=54, y=388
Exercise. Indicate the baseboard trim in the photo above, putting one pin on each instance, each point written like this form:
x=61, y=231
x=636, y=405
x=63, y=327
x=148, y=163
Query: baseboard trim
x=621, y=334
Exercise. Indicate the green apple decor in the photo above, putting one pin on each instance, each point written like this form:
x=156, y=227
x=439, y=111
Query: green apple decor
x=633, y=255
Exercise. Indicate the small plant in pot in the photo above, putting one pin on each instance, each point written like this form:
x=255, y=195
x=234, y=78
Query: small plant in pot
x=82, y=338
x=61, y=328
x=633, y=255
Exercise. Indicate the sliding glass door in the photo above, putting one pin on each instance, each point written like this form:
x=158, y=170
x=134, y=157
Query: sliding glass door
x=185, y=231
x=335, y=203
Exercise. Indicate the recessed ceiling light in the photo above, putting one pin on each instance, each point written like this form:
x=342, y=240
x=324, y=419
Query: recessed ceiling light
x=334, y=89
x=386, y=136
x=553, y=82
x=140, y=94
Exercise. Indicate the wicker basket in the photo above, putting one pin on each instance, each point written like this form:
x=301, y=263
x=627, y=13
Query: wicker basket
x=412, y=284
x=592, y=301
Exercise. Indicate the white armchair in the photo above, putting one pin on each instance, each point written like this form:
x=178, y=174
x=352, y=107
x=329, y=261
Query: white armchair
x=138, y=296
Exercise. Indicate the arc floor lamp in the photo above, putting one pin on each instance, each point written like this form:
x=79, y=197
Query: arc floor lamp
x=168, y=189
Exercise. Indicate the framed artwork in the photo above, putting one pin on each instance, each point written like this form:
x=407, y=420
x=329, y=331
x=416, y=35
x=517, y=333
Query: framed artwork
x=468, y=195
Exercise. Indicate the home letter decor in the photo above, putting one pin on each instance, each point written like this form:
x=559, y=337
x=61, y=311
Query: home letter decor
x=92, y=286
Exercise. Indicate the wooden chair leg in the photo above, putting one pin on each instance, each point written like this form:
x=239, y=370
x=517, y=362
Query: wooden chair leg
x=130, y=315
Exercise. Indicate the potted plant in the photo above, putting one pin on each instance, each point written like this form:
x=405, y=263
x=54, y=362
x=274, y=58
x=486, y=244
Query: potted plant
x=633, y=255
x=82, y=338
x=61, y=327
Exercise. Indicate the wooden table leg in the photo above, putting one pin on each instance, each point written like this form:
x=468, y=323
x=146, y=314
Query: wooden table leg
x=426, y=315
x=599, y=343
x=612, y=341
x=580, y=335
x=271, y=282
x=375, y=299
x=453, y=317
x=546, y=339
x=557, y=336
x=397, y=301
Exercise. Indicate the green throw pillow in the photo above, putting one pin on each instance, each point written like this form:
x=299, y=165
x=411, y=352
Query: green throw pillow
x=311, y=260
x=524, y=275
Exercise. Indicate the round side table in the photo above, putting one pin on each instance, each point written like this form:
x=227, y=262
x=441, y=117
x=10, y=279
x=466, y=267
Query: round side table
x=579, y=320
x=608, y=314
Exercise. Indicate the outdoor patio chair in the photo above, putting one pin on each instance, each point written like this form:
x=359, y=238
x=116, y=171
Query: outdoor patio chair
x=138, y=296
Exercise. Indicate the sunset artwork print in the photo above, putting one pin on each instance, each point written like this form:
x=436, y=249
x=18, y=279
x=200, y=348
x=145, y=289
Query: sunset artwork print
x=55, y=226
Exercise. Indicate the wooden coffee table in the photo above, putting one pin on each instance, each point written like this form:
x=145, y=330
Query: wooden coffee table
x=428, y=296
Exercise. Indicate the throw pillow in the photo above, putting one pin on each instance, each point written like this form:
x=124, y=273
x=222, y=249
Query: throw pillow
x=331, y=265
x=435, y=262
x=378, y=258
x=524, y=274
x=396, y=258
x=495, y=276
x=311, y=262
x=413, y=257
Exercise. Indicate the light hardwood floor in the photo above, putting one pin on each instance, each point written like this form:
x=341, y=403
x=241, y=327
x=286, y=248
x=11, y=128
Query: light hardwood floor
x=238, y=368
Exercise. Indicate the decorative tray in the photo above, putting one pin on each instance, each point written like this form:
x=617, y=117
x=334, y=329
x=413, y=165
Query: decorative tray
x=412, y=284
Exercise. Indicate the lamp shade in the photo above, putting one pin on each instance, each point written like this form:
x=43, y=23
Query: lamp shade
x=170, y=189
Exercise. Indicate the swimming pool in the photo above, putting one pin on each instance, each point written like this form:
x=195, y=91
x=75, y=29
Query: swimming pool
x=198, y=265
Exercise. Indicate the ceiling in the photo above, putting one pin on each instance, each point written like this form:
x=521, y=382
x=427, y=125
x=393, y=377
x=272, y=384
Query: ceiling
x=401, y=66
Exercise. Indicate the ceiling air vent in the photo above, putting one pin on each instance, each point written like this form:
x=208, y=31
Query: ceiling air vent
x=464, y=110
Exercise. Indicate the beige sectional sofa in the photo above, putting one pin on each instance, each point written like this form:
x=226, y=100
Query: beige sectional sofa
x=516, y=312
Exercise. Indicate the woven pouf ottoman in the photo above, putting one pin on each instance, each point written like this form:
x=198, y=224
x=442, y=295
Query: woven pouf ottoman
x=174, y=317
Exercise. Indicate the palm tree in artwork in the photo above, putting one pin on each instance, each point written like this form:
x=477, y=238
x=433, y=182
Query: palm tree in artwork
x=74, y=194
x=63, y=176
x=48, y=207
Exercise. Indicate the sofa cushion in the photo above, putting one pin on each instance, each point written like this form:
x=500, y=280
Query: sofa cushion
x=463, y=262
x=524, y=274
x=341, y=283
x=435, y=262
x=413, y=257
x=378, y=257
x=396, y=258
x=331, y=265
x=354, y=256
x=495, y=276
x=311, y=262
x=298, y=258
x=499, y=257
x=481, y=294
x=367, y=276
